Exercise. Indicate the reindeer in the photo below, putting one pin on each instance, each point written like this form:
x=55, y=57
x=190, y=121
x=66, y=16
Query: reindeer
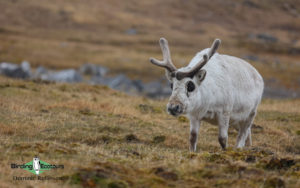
x=220, y=89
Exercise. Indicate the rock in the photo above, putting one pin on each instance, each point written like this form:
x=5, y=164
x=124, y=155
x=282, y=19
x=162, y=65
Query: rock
x=266, y=37
x=25, y=66
x=138, y=84
x=263, y=37
x=16, y=71
x=251, y=57
x=39, y=72
x=273, y=89
x=120, y=82
x=68, y=75
x=94, y=70
x=250, y=4
x=131, y=31
x=279, y=92
x=157, y=90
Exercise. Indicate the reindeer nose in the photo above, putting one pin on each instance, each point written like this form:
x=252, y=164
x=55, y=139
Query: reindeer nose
x=174, y=109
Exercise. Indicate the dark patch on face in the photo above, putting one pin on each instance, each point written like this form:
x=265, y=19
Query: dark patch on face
x=190, y=87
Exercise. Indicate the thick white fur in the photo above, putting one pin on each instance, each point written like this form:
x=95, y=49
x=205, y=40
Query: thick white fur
x=229, y=94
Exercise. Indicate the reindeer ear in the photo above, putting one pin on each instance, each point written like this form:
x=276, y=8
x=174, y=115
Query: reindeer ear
x=200, y=75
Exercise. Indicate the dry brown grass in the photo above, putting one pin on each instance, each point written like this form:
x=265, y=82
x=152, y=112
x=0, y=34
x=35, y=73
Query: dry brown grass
x=65, y=34
x=106, y=138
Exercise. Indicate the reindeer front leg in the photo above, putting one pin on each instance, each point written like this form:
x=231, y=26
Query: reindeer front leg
x=223, y=121
x=194, y=129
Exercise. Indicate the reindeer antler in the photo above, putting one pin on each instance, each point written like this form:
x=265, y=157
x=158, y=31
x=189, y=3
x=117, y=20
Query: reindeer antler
x=167, y=62
x=201, y=63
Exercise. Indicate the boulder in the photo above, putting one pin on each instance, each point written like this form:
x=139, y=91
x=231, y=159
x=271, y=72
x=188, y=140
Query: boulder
x=119, y=82
x=15, y=71
x=264, y=37
x=39, y=72
x=68, y=75
x=94, y=70
x=251, y=57
x=157, y=89
x=131, y=31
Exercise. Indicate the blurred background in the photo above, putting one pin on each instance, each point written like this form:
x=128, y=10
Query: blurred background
x=110, y=42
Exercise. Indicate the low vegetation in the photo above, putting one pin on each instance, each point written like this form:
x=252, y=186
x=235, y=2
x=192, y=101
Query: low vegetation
x=105, y=138
x=122, y=35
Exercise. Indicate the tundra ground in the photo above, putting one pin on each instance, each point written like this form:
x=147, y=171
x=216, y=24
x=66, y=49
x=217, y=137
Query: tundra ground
x=122, y=35
x=105, y=138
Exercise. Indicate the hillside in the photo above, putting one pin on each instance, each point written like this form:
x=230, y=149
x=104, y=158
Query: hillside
x=108, y=139
x=122, y=35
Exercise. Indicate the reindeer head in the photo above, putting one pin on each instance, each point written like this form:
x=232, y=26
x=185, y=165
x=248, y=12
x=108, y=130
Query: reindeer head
x=184, y=81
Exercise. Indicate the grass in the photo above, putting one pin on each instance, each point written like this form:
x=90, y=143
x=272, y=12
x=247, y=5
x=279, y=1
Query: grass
x=66, y=34
x=108, y=139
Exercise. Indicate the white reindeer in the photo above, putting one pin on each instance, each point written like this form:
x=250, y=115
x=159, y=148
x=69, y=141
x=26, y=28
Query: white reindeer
x=216, y=88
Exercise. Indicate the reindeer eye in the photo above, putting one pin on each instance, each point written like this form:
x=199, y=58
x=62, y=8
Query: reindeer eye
x=190, y=86
x=171, y=85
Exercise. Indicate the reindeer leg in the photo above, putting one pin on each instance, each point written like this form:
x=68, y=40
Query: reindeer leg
x=223, y=121
x=194, y=129
x=245, y=131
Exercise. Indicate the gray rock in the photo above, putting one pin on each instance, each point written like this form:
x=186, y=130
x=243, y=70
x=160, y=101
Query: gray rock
x=273, y=89
x=266, y=37
x=15, y=71
x=120, y=82
x=251, y=57
x=41, y=70
x=68, y=75
x=25, y=66
x=250, y=4
x=138, y=84
x=279, y=92
x=131, y=31
x=94, y=70
x=157, y=89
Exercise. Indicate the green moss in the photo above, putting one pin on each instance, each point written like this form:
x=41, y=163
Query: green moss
x=86, y=111
x=274, y=182
x=117, y=184
x=215, y=157
x=159, y=139
x=205, y=173
x=145, y=108
x=183, y=119
x=224, y=183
